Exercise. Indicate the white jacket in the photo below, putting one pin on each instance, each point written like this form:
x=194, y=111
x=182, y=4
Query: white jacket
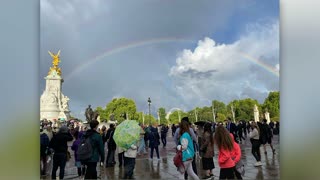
x=131, y=152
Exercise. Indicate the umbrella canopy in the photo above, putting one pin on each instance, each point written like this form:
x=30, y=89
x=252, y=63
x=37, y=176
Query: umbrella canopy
x=127, y=133
x=200, y=123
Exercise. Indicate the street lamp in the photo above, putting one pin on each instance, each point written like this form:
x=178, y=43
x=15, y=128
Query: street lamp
x=149, y=103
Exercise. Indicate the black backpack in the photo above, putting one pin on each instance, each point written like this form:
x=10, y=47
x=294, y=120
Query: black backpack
x=44, y=143
x=85, y=150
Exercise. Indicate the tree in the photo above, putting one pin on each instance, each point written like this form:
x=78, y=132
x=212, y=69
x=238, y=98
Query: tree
x=219, y=107
x=121, y=107
x=272, y=104
x=174, y=116
x=243, y=109
x=162, y=115
x=204, y=114
x=220, y=117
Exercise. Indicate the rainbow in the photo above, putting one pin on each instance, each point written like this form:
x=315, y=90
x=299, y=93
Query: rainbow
x=125, y=47
x=258, y=62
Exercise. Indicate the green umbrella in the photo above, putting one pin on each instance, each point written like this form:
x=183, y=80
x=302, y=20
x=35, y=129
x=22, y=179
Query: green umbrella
x=127, y=133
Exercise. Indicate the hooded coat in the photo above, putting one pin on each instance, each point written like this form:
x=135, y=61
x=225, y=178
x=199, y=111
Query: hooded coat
x=97, y=145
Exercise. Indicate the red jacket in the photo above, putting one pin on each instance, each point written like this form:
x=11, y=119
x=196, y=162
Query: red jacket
x=236, y=153
x=225, y=159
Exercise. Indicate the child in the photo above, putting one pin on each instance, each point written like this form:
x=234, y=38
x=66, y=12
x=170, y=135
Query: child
x=130, y=161
x=226, y=147
x=75, y=147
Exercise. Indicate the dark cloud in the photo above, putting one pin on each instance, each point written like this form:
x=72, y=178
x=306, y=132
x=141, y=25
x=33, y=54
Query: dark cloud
x=85, y=30
x=192, y=73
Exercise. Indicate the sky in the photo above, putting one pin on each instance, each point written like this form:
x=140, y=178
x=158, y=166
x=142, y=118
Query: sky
x=181, y=54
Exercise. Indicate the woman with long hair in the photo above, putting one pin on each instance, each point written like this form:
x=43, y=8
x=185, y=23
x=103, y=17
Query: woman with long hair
x=225, y=145
x=254, y=138
x=207, y=150
x=187, y=149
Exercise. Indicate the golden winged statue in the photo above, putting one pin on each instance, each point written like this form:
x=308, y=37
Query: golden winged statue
x=55, y=62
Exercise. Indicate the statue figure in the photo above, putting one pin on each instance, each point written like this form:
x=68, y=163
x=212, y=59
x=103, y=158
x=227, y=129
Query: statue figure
x=89, y=113
x=65, y=105
x=55, y=63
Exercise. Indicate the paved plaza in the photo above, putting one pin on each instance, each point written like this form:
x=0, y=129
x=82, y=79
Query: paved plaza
x=165, y=169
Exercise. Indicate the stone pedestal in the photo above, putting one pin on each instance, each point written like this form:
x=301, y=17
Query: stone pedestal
x=53, y=104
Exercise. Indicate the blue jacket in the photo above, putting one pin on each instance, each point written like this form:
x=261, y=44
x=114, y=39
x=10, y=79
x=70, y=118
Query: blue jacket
x=187, y=147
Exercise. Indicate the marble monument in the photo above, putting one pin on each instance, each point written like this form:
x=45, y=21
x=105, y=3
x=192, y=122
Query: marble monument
x=53, y=103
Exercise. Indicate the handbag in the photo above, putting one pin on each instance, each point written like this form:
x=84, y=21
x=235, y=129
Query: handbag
x=177, y=161
x=240, y=168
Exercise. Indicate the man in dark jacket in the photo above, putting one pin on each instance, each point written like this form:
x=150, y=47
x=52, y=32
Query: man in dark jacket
x=112, y=146
x=164, y=131
x=60, y=147
x=266, y=136
x=232, y=128
x=97, y=150
x=44, y=143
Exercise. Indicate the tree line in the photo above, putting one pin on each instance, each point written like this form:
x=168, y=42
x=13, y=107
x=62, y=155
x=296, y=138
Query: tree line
x=124, y=108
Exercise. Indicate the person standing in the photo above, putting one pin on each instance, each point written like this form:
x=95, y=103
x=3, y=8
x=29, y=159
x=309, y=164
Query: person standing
x=44, y=148
x=200, y=132
x=130, y=161
x=244, y=128
x=111, y=146
x=173, y=129
x=164, y=131
x=74, y=147
x=195, y=142
x=207, y=148
x=248, y=126
x=120, y=152
x=97, y=150
x=146, y=136
x=187, y=148
x=240, y=132
x=266, y=134
x=142, y=144
x=154, y=141
x=232, y=128
x=225, y=146
x=254, y=138
x=60, y=147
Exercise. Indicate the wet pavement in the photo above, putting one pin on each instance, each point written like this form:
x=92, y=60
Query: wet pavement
x=165, y=169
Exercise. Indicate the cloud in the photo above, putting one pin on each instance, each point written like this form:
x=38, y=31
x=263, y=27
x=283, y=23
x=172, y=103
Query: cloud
x=85, y=29
x=228, y=74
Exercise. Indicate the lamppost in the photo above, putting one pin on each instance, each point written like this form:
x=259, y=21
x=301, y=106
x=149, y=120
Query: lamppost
x=149, y=103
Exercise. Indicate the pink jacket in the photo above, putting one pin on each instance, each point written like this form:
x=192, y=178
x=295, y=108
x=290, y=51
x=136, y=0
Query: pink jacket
x=236, y=153
x=225, y=159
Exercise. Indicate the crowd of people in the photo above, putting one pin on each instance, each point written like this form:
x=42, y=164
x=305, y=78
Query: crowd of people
x=193, y=141
x=226, y=137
